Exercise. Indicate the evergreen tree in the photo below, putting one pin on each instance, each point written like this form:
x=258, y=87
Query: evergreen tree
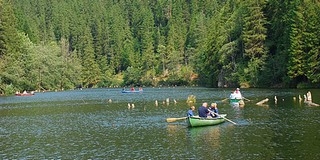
x=297, y=61
x=11, y=50
x=227, y=43
x=277, y=13
x=161, y=51
x=68, y=67
x=90, y=69
x=254, y=36
x=148, y=55
x=311, y=35
x=118, y=32
x=214, y=40
x=230, y=53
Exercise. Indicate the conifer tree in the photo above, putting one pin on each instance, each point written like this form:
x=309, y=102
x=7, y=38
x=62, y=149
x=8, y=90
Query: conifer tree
x=311, y=15
x=277, y=42
x=90, y=69
x=254, y=36
x=297, y=56
x=11, y=50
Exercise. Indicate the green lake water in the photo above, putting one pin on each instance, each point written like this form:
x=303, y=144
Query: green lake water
x=97, y=124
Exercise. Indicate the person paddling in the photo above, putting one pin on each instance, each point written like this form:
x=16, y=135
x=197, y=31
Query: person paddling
x=237, y=94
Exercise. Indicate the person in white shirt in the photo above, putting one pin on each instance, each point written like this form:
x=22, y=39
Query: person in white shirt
x=237, y=94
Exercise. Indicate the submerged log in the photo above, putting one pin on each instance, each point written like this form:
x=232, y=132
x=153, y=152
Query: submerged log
x=311, y=103
x=263, y=101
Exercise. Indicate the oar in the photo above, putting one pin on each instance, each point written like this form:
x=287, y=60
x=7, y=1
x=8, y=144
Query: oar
x=224, y=99
x=175, y=119
x=246, y=99
x=225, y=118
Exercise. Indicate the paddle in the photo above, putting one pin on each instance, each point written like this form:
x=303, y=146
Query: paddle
x=225, y=118
x=224, y=99
x=175, y=119
x=246, y=99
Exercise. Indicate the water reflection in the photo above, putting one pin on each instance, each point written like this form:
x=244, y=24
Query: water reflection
x=236, y=106
x=173, y=128
x=209, y=136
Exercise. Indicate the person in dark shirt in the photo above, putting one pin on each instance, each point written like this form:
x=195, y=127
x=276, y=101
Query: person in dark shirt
x=190, y=111
x=203, y=110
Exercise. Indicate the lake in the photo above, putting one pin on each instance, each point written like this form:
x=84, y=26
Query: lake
x=99, y=124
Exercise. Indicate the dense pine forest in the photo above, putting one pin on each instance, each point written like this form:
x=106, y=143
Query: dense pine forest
x=64, y=44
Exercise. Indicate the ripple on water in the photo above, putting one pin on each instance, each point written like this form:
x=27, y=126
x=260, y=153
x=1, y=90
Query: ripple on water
x=84, y=125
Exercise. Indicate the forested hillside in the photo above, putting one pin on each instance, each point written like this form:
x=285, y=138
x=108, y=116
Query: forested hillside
x=63, y=44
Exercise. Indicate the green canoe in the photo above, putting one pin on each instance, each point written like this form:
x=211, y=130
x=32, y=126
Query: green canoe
x=198, y=122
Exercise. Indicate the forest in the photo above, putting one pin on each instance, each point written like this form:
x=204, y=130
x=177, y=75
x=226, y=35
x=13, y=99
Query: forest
x=67, y=44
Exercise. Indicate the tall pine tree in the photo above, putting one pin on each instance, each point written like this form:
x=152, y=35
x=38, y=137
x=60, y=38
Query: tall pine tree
x=254, y=36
